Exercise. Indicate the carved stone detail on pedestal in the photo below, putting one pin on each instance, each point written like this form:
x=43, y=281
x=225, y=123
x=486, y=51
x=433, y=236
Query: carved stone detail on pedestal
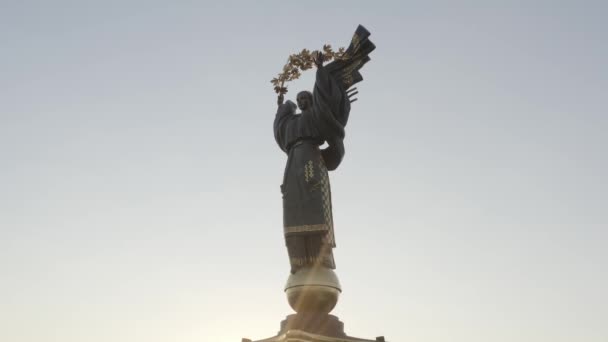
x=302, y=336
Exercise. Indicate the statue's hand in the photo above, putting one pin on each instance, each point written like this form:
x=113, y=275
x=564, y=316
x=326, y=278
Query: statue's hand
x=280, y=100
x=319, y=59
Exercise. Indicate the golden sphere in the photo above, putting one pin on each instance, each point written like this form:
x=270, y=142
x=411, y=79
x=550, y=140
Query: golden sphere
x=313, y=289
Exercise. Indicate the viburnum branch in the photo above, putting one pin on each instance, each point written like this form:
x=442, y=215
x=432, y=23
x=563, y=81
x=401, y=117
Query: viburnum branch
x=302, y=61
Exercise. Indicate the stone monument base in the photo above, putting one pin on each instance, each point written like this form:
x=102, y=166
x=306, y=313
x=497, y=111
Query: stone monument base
x=304, y=327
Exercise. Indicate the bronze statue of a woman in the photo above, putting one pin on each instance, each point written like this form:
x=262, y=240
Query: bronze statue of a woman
x=307, y=209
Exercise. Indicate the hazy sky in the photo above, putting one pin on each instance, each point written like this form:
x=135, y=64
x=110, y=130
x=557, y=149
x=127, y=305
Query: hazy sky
x=139, y=178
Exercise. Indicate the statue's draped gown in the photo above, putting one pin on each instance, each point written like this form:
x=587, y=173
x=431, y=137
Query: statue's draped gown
x=307, y=208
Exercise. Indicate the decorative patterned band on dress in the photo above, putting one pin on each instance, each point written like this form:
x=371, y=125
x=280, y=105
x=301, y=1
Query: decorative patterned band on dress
x=308, y=260
x=306, y=228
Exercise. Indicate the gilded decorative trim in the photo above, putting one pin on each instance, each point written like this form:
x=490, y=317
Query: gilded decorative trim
x=306, y=228
x=327, y=209
x=309, y=171
x=352, y=67
x=356, y=41
x=307, y=260
x=348, y=81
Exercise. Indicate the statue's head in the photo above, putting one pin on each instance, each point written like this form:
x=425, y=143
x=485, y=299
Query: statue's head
x=304, y=100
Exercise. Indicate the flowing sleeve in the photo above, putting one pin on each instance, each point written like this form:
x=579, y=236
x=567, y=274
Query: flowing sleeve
x=346, y=69
x=285, y=113
x=331, y=106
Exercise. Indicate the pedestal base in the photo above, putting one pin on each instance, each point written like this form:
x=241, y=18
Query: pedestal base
x=301, y=336
x=313, y=328
x=326, y=325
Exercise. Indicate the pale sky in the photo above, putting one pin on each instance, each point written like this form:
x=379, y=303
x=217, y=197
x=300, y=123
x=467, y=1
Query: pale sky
x=139, y=178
